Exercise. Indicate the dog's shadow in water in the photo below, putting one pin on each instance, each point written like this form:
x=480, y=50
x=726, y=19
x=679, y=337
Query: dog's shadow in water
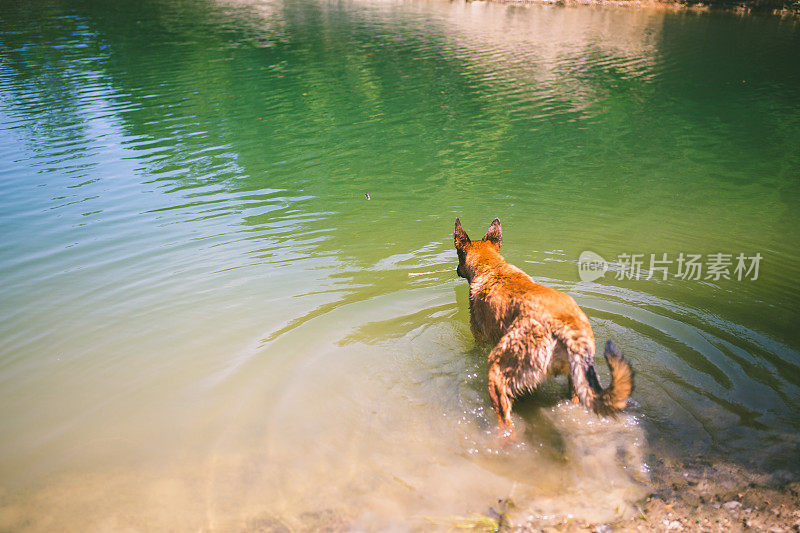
x=538, y=428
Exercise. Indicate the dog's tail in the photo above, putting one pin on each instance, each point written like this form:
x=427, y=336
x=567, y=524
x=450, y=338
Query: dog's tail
x=602, y=401
x=615, y=396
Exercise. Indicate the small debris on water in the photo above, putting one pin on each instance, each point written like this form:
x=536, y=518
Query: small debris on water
x=414, y=274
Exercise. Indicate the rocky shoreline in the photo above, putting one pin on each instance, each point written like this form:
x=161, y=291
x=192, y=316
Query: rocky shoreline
x=693, y=496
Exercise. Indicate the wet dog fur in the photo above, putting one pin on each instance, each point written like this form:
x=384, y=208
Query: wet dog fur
x=536, y=331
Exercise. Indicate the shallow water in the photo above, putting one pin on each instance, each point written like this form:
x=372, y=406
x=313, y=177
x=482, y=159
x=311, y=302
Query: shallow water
x=204, y=323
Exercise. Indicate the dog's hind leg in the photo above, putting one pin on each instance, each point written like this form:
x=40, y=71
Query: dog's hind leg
x=518, y=363
x=502, y=398
x=583, y=381
x=575, y=399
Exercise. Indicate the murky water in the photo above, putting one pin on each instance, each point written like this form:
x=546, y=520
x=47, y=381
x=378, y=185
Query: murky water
x=204, y=323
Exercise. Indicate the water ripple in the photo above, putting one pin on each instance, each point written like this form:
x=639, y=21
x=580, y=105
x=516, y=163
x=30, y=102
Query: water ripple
x=192, y=275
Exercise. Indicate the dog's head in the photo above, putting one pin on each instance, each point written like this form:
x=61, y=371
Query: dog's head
x=466, y=248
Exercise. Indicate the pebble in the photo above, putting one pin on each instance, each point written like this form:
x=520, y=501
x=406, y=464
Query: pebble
x=731, y=505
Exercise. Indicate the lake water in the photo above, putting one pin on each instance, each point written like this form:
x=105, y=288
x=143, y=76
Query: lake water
x=205, y=325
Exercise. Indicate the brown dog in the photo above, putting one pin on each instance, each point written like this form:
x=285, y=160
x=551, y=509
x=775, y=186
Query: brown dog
x=537, y=332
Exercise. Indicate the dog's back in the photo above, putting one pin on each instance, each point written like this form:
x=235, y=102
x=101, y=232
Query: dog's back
x=537, y=331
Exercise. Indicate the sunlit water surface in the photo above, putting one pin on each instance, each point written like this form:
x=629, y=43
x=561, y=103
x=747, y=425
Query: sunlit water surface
x=205, y=325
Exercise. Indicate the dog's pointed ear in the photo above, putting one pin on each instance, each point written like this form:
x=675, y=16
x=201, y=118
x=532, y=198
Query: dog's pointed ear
x=460, y=237
x=495, y=233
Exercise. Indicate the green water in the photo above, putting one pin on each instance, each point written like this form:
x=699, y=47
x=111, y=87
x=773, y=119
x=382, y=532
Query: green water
x=204, y=324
